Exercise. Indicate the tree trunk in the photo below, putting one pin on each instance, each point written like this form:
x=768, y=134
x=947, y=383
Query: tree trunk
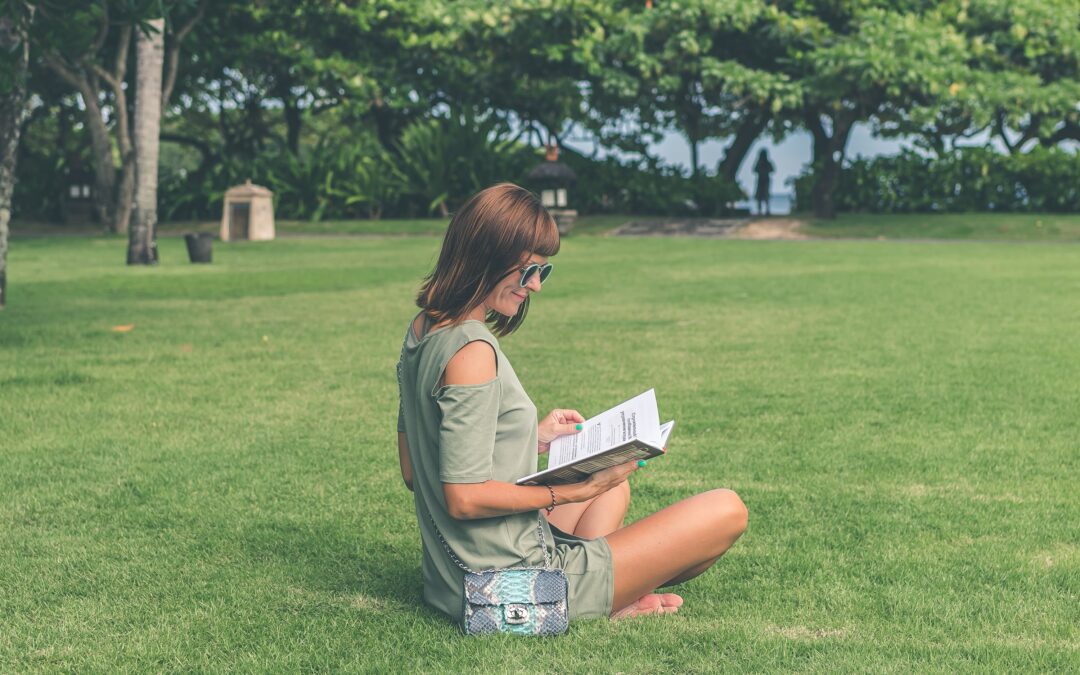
x=293, y=121
x=86, y=84
x=821, y=196
x=384, y=126
x=828, y=158
x=734, y=154
x=126, y=189
x=693, y=157
x=149, y=57
x=14, y=58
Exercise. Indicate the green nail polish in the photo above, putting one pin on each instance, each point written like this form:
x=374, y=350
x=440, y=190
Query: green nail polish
x=578, y=427
x=642, y=462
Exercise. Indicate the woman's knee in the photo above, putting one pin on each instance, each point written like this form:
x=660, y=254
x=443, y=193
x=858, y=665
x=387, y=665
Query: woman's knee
x=730, y=515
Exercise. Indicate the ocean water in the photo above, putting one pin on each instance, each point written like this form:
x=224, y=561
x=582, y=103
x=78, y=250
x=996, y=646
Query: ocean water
x=779, y=205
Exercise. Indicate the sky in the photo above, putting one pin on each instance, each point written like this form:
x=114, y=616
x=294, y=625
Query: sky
x=790, y=156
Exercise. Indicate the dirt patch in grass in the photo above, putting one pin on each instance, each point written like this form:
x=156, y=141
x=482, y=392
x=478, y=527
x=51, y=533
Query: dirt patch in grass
x=714, y=228
x=771, y=228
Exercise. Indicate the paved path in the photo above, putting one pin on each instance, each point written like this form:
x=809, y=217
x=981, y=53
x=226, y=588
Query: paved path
x=722, y=228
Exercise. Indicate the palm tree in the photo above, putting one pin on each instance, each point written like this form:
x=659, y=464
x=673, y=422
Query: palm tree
x=14, y=57
x=149, y=57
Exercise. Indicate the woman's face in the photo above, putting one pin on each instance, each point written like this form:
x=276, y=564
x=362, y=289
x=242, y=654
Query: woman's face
x=508, y=295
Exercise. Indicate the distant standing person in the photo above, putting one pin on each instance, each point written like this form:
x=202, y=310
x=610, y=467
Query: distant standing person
x=763, y=168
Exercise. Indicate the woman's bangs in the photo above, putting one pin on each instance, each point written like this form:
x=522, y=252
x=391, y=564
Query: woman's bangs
x=545, y=235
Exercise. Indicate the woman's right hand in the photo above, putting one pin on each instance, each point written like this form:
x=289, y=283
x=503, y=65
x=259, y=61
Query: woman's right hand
x=602, y=481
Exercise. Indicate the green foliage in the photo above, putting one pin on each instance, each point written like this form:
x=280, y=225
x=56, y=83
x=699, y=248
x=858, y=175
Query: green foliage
x=436, y=164
x=266, y=88
x=647, y=187
x=329, y=180
x=967, y=179
x=1020, y=77
x=698, y=67
x=445, y=159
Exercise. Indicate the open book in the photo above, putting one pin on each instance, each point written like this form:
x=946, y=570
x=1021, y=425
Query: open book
x=630, y=430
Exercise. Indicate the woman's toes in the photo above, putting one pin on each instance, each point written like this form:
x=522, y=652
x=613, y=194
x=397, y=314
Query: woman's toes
x=670, y=600
x=667, y=603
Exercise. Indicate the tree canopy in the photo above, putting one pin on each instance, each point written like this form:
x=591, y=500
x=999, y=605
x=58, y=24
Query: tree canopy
x=351, y=107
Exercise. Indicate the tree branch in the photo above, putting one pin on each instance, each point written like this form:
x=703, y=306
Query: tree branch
x=103, y=30
x=64, y=70
x=197, y=143
x=113, y=83
x=1070, y=131
x=999, y=129
x=120, y=64
x=172, y=53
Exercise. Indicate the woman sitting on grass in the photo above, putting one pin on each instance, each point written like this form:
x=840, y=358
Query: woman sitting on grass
x=467, y=430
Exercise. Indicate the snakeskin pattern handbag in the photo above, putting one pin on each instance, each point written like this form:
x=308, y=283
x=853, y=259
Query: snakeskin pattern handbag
x=517, y=600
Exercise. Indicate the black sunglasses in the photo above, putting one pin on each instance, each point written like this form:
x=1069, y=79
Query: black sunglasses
x=528, y=271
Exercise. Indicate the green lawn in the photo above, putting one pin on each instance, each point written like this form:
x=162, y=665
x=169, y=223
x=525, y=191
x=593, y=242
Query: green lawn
x=980, y=226
x=590, y=224
x=217, y=489
x=1046, y=227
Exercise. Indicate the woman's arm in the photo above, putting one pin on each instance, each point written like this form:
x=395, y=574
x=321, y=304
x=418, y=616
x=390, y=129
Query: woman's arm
x=403, y=460
x=467, y=501
x=475, y=364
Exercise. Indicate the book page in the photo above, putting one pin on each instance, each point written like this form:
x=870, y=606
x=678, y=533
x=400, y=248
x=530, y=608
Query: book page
x=665, y=431
x=636, y=418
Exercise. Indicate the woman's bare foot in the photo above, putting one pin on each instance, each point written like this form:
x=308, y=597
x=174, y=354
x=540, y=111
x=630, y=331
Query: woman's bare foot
x=653, y=603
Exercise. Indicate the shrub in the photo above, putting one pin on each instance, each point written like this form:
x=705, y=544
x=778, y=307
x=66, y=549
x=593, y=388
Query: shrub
x=967, y=179
x=647, y=187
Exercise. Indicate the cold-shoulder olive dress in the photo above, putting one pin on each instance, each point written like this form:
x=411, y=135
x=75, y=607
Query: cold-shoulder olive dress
x=471, y=434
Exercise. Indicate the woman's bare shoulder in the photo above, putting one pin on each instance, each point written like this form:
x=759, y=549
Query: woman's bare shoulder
x=474, y=363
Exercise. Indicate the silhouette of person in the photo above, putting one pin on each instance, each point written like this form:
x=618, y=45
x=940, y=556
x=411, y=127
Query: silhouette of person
x=763, y=168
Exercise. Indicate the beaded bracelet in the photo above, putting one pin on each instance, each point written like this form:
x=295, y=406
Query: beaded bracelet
x=552, y=491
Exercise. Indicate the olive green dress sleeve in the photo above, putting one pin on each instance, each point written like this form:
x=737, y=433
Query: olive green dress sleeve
x=470, y=415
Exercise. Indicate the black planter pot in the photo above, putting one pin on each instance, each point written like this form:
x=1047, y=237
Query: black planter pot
x=199, y=246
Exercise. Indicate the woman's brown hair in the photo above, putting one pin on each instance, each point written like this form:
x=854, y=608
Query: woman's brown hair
x=485, y=241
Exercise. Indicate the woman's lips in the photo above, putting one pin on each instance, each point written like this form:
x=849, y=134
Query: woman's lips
x=519, y=296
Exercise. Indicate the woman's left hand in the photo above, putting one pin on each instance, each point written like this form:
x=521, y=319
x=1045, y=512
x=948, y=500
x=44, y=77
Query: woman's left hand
x=558, y=422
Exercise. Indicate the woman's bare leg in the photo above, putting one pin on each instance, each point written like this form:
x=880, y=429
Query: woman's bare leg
x=597, y=517
x=674, y=544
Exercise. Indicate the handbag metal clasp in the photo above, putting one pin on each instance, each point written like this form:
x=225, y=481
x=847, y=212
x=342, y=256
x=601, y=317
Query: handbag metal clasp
x=517, y=614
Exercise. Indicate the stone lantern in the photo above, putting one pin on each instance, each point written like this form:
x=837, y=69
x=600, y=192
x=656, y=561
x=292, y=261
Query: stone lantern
x=77, y=203
x=248, y=213
x=553, y=179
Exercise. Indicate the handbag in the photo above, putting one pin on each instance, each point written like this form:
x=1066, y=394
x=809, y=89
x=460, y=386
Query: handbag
x=516, y=600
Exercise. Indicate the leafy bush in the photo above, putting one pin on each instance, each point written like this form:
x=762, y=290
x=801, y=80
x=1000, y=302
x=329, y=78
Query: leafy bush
x=648, y=187
x=968, y=179
x=435, y=165
x=446, y=159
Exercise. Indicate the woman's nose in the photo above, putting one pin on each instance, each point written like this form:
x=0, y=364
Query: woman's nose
x=534, y=282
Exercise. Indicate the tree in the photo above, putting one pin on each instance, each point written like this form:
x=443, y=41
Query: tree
x=1024, y=73
x=857, y=64
x=14, y=59
x=705, y=69
x=78, y=57
x=1020, y=82
x=95, y=64
x=150, y=48
x=523, y=61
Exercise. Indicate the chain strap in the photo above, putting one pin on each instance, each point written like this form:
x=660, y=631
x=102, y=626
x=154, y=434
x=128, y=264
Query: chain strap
x=457, y=561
